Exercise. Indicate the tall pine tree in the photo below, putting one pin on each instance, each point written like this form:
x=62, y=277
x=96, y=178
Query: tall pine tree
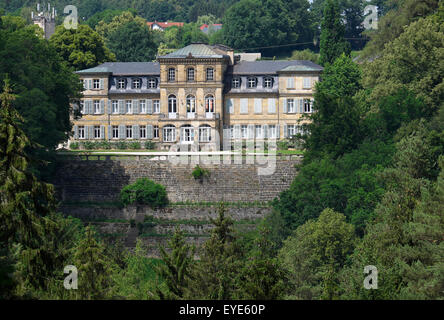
x=333, y=43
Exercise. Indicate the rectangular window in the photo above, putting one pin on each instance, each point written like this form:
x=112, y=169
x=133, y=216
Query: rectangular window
x=307, y=83
x=210, y=74
x=169, y=134
x=142, y=105
x=142, y=132
x=115, y=106
x=291, y=106
x=97, y=132
x=81, y=132
x=258, y=131
x=96, y=84
x=129, y=106
x=115, y=132
x=268, y=82
x=129, y=132
x=307, y=106
x=156, y=106
x=236, y=83
x=152, y=83
x=96, y=106
x=171, y=74
x=271, y=105
x=290, y=83
x=205, y=134
x=272, y=131
x=291, y=130
x=190, y=74
x=252, y=82
x=121, y=84
x=156, y=132
x=244, y=131
x=137, y=84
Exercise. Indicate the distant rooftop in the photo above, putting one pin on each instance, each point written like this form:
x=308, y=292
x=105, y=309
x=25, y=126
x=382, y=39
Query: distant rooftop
x=165, y=25
x=272, y=67
x=199, y=50
x=126, y=68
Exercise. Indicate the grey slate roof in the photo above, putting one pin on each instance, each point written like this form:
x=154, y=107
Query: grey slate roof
x=197, y=50
x=126, y=68
x=273, y=67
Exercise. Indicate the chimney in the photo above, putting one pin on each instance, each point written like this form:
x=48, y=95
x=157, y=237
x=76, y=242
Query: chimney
x=230, y=53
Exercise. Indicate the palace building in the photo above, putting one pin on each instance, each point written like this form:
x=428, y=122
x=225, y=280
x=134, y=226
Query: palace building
x=191, y=95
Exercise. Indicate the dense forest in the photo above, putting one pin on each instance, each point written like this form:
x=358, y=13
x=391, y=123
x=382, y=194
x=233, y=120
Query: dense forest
x=370, y=190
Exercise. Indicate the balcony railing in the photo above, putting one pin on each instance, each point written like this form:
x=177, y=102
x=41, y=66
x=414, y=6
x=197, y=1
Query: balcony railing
x=189, y=116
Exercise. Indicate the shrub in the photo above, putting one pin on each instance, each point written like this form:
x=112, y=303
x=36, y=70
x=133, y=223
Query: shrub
x=199, y=173
x=105, y=145
x=144, y=192
x=134, y=145
x=150, y=145
x=88, y=145
x=284, y=145
x=121, y=145
x=74, y=146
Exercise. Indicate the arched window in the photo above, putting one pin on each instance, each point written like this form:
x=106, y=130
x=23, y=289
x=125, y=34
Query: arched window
x=171, y=74
x=204, y=133
x=209, y=104
x=169, y=133
x=187, y=134
x=172, y=104
x=210, y=74
x=191, y=104
x=190, y=74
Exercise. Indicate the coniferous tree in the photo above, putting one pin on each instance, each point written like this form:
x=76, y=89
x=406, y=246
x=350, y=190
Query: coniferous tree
x=176, y=266
x=93, y=267
x=215, y=276
x=333, y=43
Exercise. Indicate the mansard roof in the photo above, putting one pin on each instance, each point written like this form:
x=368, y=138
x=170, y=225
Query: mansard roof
x=125, y=68
x=198, y=50
x=273, y=67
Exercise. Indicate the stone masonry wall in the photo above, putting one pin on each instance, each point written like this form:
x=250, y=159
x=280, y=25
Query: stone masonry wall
x=102, y=180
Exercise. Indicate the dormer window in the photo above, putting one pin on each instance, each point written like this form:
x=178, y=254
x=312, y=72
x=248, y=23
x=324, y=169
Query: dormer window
x=152, y=83
x=268, y=82
x=210, y=74
x=252, y=82
x=190, y=74
x=121, y=84
x=137, y=83
x=171, y=74
x=236, y=83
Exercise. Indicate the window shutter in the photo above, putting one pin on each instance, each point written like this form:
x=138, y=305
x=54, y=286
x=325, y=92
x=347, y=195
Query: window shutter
x=237, y=131
x=257, y=105
x=149, y=106
x=110, y=107
x=121, y=107
x=301, y=105
x=285, y=105
x=90, y=84
x=278, y=131
x=76, y=132
x=90, y=132
x=136, y=132
x=229, y=106
x=102, y=106
x=285, y=131
x=149, y=131
x=102, y=132
x=250, y=133
x=90, y=107
x=85, y=84
x=102, y=84
x=244, y=106
x=135, y=106
x=122, y=131
x=271, y=105
x=110, y=132
x=265, y=134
